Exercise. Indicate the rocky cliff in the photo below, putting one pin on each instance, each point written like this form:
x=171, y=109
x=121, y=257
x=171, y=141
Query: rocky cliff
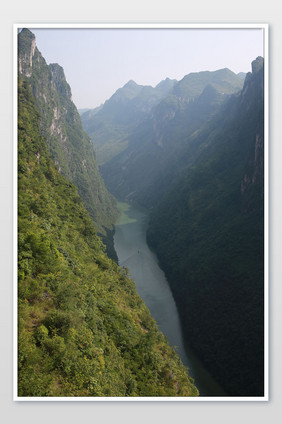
x=70, y=147
x=83, y=331
x=208, y=232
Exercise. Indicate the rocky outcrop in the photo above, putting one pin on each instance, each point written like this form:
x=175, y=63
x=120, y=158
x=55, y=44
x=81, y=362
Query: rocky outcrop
x=59, y=80
x=253, y=93
x=69, y=145
x=208, y=233
x=28, y=50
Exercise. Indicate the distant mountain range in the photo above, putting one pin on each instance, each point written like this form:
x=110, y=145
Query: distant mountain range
x=192, y=152
x=110, y=125
x=82, y=111
x=208, y=232
x=157, y=147
x=195, y=158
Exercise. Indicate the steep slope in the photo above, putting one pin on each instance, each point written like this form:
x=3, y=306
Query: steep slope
x=242, y=75
x=147, y=168
x=110, y=125
x=70, y=147
x=208, y=233
x=83, y=330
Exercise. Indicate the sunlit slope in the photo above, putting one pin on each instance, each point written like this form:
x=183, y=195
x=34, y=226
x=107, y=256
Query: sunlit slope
x=83, y=329
x=70, y=147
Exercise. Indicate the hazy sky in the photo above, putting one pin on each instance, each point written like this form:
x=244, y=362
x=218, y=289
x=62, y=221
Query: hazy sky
x=99, y=61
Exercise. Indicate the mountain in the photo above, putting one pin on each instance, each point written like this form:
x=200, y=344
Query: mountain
x=111, y=124
x=82, y=328
x=242, y=75
x=197, y=163
x=160, y=147
x=82, y=111
x=193, y=84
x=70, y=147
x=208, y=233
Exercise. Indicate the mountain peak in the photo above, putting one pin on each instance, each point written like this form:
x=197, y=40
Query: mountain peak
x=209, y=89
x=25, y=32
x=169, y=83
x=125, y=93
x=59, y=79
x=257, y=64
x=57, y=70
x=191, y=85
x=131, y=83
x=224, y=70
x=26, y=51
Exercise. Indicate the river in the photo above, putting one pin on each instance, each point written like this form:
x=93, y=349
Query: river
x=151, y=284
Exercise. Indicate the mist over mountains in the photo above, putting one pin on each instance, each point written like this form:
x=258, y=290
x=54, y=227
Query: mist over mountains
x=192, y=153
x=208, y=232
x=157, y=148
x=196, y=161
x=110, y=124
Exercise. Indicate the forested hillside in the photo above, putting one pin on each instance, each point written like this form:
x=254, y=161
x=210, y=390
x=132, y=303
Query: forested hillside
x=159, y=149
x=111, y=124
x=70, y=147
x=82, y=328
x=197, y=162
x=192, y=153
x=208, y=232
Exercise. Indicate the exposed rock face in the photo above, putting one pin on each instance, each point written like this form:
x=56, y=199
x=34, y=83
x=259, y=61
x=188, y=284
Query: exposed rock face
x=257, y=64
x=208, y=233
x=60, y=82
x=83, y=329
x=25, y=61
x=61, y=126
x=253, y=93
x=256, y=165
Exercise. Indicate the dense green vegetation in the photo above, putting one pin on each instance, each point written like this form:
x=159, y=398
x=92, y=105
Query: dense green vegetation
x=193, y=153
x=197, y=163
x=70, y=147
x=208, y=232
x=82, y=328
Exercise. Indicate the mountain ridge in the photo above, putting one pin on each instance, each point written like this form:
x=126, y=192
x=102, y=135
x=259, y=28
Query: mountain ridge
x=83, y=331
x=208, y=233
x=70, y=147
x=157, y=143
x=111, y=125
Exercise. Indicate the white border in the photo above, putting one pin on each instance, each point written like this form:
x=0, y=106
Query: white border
x=265, y=28
x=266, y=213
x=15, y=214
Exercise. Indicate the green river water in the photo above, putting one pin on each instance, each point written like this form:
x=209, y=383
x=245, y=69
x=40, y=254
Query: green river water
x=151, y=284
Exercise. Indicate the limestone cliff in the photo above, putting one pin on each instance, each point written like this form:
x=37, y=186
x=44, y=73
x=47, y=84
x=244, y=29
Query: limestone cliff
x=70, y=147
